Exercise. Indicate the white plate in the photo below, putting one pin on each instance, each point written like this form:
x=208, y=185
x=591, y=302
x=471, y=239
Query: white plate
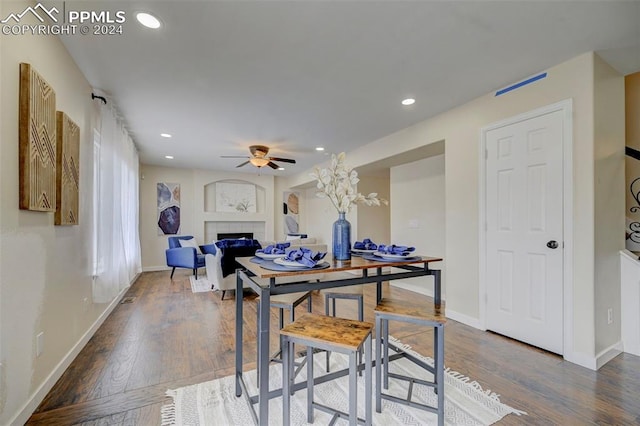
x=269, y=256
x=289, y=263
x=362, y=251
x=392, y=256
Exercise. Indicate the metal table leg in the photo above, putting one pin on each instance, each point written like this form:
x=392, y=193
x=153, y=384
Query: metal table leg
x=238, y=333
x=379, y=285
x=437, y=287
x=263, y=353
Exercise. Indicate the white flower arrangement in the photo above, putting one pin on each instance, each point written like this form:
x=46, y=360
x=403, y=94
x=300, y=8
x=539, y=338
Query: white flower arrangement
x=338, y=183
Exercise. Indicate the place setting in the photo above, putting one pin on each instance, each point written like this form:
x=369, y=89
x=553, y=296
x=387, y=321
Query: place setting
x=363, y=247
x=270, y=252
x=296, y=260
x=392, y=252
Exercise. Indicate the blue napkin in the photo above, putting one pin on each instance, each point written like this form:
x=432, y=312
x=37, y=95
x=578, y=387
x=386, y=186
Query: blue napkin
x=305, y=257
x=394, y=249
x=274, y=248
x=365, y=244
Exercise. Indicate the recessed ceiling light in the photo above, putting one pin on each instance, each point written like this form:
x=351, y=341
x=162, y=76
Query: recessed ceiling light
x=169, y=157
x=148, y=20
x=319, y=148
x=408, y=101
x=280, y=168
x=165, y=135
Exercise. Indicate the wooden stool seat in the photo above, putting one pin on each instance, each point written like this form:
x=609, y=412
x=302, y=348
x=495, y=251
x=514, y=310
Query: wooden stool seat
x=409, y=310
x=334, y=334
x=341, y=332
x=423, y=314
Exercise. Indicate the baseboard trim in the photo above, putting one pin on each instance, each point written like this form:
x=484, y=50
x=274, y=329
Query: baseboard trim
x=155, y=268
x=608, y=354
x=633, y=349
x=595, y=362
x=162, y=268
x=465, y=319
x=30, y=406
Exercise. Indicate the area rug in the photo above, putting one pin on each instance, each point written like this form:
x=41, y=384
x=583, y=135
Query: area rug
x=200, y=285
x=215, y=403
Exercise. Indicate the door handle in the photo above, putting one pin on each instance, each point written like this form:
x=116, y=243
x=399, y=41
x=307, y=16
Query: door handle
x=553, y=244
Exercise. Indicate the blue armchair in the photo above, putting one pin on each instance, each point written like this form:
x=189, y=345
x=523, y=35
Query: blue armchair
x=186, y=257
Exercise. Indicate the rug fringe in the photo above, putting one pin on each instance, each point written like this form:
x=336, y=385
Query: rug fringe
x=460, y=379
x=168, y=412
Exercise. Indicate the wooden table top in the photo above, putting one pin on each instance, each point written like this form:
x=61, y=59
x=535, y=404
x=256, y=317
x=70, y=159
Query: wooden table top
x=356, y=263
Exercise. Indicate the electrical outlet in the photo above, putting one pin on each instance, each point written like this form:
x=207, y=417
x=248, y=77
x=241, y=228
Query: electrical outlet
x=39, y=343
x=610, y=316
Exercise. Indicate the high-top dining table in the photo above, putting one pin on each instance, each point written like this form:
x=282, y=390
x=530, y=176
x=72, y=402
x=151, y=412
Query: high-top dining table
x=415, y=266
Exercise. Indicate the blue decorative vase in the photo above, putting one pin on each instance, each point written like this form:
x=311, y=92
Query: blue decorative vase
x=341, y=238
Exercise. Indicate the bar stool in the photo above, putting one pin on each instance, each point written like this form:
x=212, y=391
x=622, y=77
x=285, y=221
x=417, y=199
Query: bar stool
x=335, y=334
x=355, y=292
x=427, y=315
x=289, y=302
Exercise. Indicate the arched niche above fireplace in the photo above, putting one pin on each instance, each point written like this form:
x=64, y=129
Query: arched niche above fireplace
x=212, y=197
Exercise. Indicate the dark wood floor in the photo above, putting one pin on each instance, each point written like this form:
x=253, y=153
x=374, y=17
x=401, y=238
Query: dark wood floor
x=169, y=337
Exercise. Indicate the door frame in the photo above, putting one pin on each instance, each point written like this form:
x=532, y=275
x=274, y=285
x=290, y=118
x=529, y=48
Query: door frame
x=566, y=107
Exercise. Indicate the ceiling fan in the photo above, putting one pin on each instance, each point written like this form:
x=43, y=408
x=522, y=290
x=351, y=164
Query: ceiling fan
x=259, y=157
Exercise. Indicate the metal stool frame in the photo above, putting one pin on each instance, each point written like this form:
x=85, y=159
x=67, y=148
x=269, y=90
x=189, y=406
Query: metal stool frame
x=382, y=369
x=315, y=343
x=274, y=303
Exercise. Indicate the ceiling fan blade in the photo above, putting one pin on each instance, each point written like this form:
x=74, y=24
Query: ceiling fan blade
x=234, y=156
x=286, y=160
x=242, y=164
x=273, y=165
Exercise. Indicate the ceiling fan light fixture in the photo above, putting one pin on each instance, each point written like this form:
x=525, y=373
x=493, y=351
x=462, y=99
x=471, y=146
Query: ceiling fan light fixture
x=259, y=162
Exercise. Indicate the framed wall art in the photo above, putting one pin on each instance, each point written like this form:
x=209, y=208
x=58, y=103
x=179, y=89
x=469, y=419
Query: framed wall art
x=291, y=211
x=68, y=167
x=37, y=142
x=168, y=208
x=235, y=197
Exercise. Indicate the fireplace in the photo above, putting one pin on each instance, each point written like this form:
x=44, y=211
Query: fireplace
x=247, y=229
x=234, y=235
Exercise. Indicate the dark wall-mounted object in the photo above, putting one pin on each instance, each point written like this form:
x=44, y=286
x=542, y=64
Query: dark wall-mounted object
x=102, y=98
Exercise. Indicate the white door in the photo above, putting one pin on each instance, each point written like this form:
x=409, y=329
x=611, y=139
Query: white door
x=524, y=270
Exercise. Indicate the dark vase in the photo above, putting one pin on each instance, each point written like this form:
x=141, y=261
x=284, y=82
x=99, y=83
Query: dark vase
x=341, y=238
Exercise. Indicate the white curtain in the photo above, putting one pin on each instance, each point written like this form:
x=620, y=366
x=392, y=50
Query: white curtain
x=117, y=242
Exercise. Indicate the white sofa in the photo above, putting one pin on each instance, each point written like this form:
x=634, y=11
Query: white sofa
x=220, y=283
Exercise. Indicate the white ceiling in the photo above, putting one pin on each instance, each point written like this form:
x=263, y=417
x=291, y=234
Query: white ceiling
x=293, y=75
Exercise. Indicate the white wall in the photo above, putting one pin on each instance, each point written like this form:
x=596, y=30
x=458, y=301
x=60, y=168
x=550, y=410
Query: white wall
x=460, y=129
x=45, y=270
x=418, y=214
x=374, y=222
x=193, y=214
x=152, y=245
x=319, y=215
x=609, y=186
